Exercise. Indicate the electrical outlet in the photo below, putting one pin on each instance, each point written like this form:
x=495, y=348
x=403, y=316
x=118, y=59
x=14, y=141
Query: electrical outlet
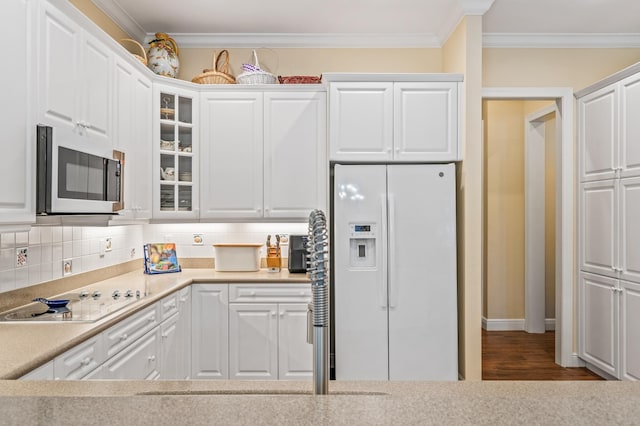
x=22, y=254
x=132, y=253
x=198, y=240
x=107, y=244
x=101, y=245
x=284, y=239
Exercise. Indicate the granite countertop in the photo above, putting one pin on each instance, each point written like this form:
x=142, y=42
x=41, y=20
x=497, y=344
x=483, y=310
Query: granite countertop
x=290, y=403
x=27, y=345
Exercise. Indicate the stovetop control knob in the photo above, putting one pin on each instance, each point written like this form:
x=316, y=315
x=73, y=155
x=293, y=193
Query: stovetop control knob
x=116, y=294
x=128, y=293
x=83, y=294
x=96, y=294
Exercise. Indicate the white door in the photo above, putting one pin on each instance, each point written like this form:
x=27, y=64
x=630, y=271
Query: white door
x=295, y=159
x=95, y=104
x=598, y=320
x=629, y=240
x=598, y=134
x=599, y=227
x=60, y=69
x=423, y=329
x=210, y=333
x=360, y=121
x=17, y=198
x=295, y=355
x=232, y=134
x=630, y=126
x=629, y=331
x=170, y=348
x=253, y=337
x=360, y=287
x=425, y=121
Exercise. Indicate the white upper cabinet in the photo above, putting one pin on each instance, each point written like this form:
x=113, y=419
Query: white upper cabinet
x=175, y=152
x=17, y=198
x=411, y=121
x=295, y=157
x=630, y=126
x=598, y=133
x=361, y=121
x=132, y=126
x=609, y=133
x=232, y=128
x=425, y=122
x=75, y=74
x=629, y=232
x=263, y=154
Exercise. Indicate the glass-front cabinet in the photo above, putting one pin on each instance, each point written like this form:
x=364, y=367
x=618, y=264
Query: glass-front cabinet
x=175, y=153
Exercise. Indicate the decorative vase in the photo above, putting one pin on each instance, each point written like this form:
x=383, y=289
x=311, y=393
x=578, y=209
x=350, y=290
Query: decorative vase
x=163, y=56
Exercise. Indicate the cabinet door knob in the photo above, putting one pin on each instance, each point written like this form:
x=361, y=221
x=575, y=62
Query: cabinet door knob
x=86, y=361
x=124, y=336
x=152, y=358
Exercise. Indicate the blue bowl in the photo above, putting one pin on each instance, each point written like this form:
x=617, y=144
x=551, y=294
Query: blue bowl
x=53, y=304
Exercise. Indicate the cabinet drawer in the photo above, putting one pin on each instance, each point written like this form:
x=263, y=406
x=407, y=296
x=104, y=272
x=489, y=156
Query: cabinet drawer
x=137, y=362
x=280, y=293
x=129, y=330
x=168, y=306
x=79, y=361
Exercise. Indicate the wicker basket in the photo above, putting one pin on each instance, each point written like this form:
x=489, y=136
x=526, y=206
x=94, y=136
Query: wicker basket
x=142, y=58
x=219, y=74
x=258, y=76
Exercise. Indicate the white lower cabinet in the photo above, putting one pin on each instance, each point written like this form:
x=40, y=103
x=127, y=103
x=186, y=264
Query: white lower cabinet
x=609, y=331
x=209, y=331
x=253, y=341
x=138, y=361
x=268, y=339
x=80, y=361
x=295, y=355
x=629, y=331
x=196, y=333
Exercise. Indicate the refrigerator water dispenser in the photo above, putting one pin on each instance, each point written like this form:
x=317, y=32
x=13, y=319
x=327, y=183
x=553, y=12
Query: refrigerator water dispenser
x=362, y=245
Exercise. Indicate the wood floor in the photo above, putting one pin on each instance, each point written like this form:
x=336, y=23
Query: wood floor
x=517, y=355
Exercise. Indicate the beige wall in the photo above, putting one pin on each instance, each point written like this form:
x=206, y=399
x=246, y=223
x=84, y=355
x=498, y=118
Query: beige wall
x=316, y=61
x=462, y=53
x=504, y=136
x=504, y=145
x=575, y=68
x=103, y=21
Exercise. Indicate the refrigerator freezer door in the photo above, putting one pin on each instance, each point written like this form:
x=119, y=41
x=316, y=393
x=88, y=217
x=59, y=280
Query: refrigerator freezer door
x=360, y=291
x=422, y=273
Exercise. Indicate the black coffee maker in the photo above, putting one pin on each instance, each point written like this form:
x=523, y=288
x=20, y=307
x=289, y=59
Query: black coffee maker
x=298, y=253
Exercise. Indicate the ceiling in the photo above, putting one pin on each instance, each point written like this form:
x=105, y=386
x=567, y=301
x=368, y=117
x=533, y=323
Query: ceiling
x=379, y=23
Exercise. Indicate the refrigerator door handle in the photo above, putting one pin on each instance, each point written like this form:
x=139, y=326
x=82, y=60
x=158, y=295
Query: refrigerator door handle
x=393, y=296
x=382, y=288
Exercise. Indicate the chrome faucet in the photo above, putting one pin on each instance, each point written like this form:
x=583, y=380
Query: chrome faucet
x=317, y=253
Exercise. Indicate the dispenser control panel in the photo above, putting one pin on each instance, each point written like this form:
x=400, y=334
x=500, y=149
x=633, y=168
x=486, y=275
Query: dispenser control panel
x=362, y=245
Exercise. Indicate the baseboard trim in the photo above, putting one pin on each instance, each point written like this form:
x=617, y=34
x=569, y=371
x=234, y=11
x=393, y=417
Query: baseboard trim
x=512, y=324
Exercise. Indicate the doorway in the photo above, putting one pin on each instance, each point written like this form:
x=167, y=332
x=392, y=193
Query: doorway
x=562, y=102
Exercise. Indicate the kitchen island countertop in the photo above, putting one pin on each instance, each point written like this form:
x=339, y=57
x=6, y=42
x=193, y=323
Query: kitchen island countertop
x=290, y=403
x=27, y=345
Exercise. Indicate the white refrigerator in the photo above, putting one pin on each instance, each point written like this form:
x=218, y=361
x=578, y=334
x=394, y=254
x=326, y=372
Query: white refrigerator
x=394, y=262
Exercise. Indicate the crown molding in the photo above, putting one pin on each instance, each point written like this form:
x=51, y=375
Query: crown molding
x=303, y=40
x=560, y=41
x=463, y=8
x=114, y=11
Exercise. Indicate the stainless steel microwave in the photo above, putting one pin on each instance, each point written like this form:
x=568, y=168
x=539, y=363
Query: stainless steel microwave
x=73, y=178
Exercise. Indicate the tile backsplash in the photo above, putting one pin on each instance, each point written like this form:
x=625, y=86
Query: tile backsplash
x=50, y=252
x=56, y=251
x=185, y=235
